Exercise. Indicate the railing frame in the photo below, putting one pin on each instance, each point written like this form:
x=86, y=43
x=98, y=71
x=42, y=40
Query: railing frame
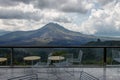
x=104, y=47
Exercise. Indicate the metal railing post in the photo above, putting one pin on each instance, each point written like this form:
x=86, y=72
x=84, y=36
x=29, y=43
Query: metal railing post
x=105, y=56
x=105, y=63
x=11, y=63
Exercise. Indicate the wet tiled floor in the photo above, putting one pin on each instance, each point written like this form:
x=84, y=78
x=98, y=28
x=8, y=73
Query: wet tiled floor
x=61, y=73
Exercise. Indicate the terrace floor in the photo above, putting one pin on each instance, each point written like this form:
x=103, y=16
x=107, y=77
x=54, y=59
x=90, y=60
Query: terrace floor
x=61, y=74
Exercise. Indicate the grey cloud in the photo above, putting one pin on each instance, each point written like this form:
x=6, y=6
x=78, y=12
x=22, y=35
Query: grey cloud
x=63, y=5
x=5, y=3
x=77, y=9
x=77, y=6
x=103, y=2
x=62, y=19
x=24, y=1
x=51, y=4
x=59, y=19
x=17, y=14
x=8, y=23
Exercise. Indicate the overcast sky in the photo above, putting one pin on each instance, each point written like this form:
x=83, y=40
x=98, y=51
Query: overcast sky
x=96, y=17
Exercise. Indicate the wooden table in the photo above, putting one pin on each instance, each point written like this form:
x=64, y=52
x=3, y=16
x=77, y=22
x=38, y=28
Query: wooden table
x=2, y=59
x=56, y=58
x=31, y=58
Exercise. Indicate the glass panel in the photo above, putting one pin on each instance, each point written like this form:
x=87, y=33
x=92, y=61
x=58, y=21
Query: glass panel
x=5, y=56
x=21, y=53
x=92, y=56
x=84, y=56
x=113, y=56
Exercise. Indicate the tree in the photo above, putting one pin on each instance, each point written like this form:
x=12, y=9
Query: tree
x=98, y=40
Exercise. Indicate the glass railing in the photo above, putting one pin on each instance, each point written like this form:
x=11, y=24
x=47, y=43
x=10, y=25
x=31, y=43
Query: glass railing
x=92, y=56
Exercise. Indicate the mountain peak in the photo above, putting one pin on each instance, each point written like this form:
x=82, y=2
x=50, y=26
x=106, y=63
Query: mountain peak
x=53, y=26
x=52, y=23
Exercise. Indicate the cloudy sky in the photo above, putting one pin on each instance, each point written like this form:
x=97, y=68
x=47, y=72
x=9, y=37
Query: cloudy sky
x=96, y=17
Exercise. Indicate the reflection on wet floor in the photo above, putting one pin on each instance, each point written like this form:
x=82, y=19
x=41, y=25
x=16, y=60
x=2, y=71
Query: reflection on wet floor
x=61, y=73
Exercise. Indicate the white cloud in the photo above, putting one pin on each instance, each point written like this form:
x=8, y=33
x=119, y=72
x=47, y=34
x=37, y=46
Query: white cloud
x=71, y=26
x=55, y=16
x=20, y=11
x=104, y=21
x=20, y=17
x=16, y=25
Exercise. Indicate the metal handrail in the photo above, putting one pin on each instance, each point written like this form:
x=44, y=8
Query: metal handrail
x=59, y=46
